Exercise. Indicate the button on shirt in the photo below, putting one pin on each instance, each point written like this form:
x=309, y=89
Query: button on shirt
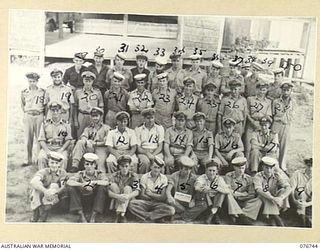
x=269, y=140
x=132, y=180
x=100, y=81
x=178, y=139
x=271, y=184
x=149, y=138
x=235, y=108
x=60, y=93
x=259, y=107
x=55, y=133
x=156, y=186
x=126, y=83
x=225, y=143
x=116, y=102
x=209, y=107
x=139, y=100
x=199, y=76
x=85, y=99
x=187, y=104
x=46, y=176
x=202, y=140
x=240, y=184
x=97, y=133
x=33, y=100
x=121, y=141
x=282, y=110
x=74, y=78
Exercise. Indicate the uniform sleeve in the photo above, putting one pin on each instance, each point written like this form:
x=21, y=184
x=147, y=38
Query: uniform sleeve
x=135, y=182
x=150, y=102
x=133, y=138
x=210, y=138
x=293, y=180
x=143, y=181
x=190, y=138
x=76, y=98
x=40, y=174
x=76, y=177
x=138, y=134
x=130, y=101
x=23, y=100
x=85, y=134
x=257, y=183
x=100, y=100
x=69, y=135
x=171, y=179
x=102, y=176
x=283, y=182
x=240, y=143
x=167, y=136
x=199, y=184
x=269, y=110
x=109, y=141
x=161, y=134
x=165, y=181
x=221, y=107
x=217, y=141
x=42, y=134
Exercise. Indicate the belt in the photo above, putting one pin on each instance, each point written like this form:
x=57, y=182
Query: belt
x=84, y=112
x=34, y=113
x=55, y=143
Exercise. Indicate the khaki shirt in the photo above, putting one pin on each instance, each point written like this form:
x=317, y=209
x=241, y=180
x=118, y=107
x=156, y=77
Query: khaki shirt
x=282, y=111
x=60, y=93
x=132, y=180
x=83, y=176
x=259, y=107
x=269, y=140
x=121, y=141
x=274, y=91
x=139, y=100
x=299, y=182
x=178, y=139
x=164, y=101
x=234, y=108
x=240, y=184
x=33, y=100
x=46, y=176
x=225, y=143
x=116, y=102
x=175, y=79
x=85, y=100
x=187, y=104
x=200, y=77
x=179, y=185
x=126, y=83
x=97, y=133
x=156, y=186
x=202, y=140
x=225, y=88
x=209, y=107
x=149, y=138
x=271, y=184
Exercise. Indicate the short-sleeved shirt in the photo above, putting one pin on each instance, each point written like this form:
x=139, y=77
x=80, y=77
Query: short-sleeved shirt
x=269, y=140
x=132, y=180
x=209, y=107
x=235, y=108
x=259, y=107
x=97, y=133
x=153, y=81
x=175, y=79
x=116, y=102
x=240, y=184
x=200, y=77
x=55, y=134
x=225, y=143
x=84, y=177
x=100, y=81
x=271, y=184
x=282, y=110
x=156, y=186
x=121, y=141
x=33, y=100
x=139, y=100
x=179, y=185
x=217, y=80
x=202, y=140
x=188, y=104
x=274, y=91
x=164, y=101
x=203, y=181
x=85, y=100
x=135, y=71
x=126, y=83
x=47, y=177
x=74, y=78
x=60, y=93
x=178, y=139
x=299, y=181
x=225, y=88
x=149, y=138
x=251, y=85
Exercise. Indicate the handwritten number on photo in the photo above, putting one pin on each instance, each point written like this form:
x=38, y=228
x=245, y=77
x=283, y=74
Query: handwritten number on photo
x=123, y=48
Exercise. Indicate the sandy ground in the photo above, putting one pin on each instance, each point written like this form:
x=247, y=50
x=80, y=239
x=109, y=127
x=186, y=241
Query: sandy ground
x=17, y=186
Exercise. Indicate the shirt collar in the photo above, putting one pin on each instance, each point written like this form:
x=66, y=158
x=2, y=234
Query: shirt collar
x=125, y=130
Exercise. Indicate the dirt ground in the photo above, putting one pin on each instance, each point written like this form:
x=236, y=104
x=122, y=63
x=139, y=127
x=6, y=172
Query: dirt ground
x=17, y=186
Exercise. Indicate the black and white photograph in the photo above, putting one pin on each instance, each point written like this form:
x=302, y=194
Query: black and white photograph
x=160, y=119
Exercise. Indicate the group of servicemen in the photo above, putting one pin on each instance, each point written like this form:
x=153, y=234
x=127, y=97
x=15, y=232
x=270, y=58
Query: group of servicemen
x=107, y=126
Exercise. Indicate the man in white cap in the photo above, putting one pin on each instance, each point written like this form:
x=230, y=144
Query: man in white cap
x=214, y=75
x=59, y=92
x=301, y=195
x=151, y=203
x=139, y=99
x=100, y=70
x=228, y=145
x=209, y=105
x=282, y=112
x=124, y=187
x=92, y=140
x=160, y=64
x=176, y=73
x=73, y=74
x=86, y=184
x=150, y=137
x=40, y=184
x=121, y=141
x=274, y=91
x=258, y=106
x=180, y=188
x=234, y=74
x=272, y=190
x=234, y=106
x=263, y=142
x=195, y=71
x=55, y=135
x=33, y=105
x=115, y=99
x=252, y=80
x=164, y=101
x=142, y=61
x=85, y=99
x=119, y=60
